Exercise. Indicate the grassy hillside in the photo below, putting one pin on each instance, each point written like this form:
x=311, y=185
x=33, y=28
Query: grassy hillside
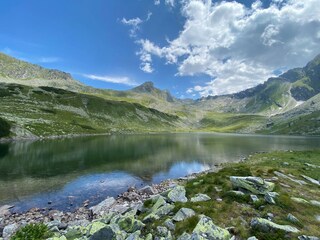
x=47, y=111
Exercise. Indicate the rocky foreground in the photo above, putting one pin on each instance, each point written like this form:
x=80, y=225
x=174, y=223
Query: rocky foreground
x=263, y=198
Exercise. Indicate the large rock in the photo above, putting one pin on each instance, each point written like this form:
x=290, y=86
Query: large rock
x=110, y=232
x=159, y=203
x=269, y=197
x=265, y=225
x=103, y=207
x=95, y=227
x=185, y=236
x=9, y=230
x=183, y=213
x=130, y=224
x=178, y=194
x=134, y=236
x=315, y=203
x=200, y=198
x=255, y=185
x=208, y=230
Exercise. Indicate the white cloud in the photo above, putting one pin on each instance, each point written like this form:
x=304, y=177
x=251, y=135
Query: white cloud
x=134, y=23
x=111, y=79
x=239, y=46
x=156, y=2
x=170, y=3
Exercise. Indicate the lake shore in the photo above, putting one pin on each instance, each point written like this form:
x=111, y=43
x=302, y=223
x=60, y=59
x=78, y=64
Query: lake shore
x=240, y=215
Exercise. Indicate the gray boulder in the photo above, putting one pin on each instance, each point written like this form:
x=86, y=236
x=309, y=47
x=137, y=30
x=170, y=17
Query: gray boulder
x=265, y=225
x=169, y=224
x=269, y=197
x=200, y=198
x=9, y=230
x=292, y=218
x=315, y=203
x=110, y=232
x=254, y=198
x=103, y=207
x=185, y=236
x=183, y=213
x=177, y=194
x=134, y=236
x=208, y=230
x=255, y=185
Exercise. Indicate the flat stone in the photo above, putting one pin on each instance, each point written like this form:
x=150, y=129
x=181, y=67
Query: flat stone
x=238, y=193
x=103, y=207
x=279, y=174
x=178, y=194
x=311, y=165
x=304, y=237
x=159, y=203
x=208, y=230
x=200, y=198
x=299, y=200
x=255, y=185
x=183, y=213
x=265, y=225
x=316, y=182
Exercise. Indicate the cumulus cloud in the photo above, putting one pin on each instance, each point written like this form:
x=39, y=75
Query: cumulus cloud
x=111, y=79
x=170, y=3
x=238, y=46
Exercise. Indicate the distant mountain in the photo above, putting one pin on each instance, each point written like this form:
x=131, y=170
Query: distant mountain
x=148, y=88
x=13, y=70
x=275, y=96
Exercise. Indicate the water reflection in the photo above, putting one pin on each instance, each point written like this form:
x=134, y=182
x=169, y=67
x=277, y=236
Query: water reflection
x=34, y=172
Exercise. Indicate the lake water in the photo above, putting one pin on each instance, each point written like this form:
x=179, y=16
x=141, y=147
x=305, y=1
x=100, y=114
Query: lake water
x=67, y=172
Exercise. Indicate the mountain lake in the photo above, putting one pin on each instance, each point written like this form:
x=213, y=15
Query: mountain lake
x=66, y=172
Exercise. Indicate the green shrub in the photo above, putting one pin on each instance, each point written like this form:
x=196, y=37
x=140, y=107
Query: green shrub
x=32, y=231
x=4, y=128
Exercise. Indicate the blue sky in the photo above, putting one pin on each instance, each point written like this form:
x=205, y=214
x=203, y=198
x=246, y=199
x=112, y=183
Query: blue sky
x=192, y=48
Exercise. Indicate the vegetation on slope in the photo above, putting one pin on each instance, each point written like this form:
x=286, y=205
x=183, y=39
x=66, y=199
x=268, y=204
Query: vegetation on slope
x=47, y=111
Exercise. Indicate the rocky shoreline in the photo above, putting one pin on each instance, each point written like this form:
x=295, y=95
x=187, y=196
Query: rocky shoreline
x=256, y=199
x=133, y=198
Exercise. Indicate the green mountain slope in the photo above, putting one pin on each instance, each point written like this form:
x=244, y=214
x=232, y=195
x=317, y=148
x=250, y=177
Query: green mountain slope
x=16, y=71
x=46, y=111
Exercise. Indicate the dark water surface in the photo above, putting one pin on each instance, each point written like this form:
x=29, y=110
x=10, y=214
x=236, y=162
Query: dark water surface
x=70, y=171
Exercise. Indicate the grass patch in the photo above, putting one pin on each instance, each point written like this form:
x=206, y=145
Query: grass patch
x=32, y=231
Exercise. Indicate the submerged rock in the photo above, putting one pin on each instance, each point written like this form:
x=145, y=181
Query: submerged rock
x=178, y=194
x=183, y=213
x=208, y=230
x=200, y=198
x=255, y=185
x=265, y=225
